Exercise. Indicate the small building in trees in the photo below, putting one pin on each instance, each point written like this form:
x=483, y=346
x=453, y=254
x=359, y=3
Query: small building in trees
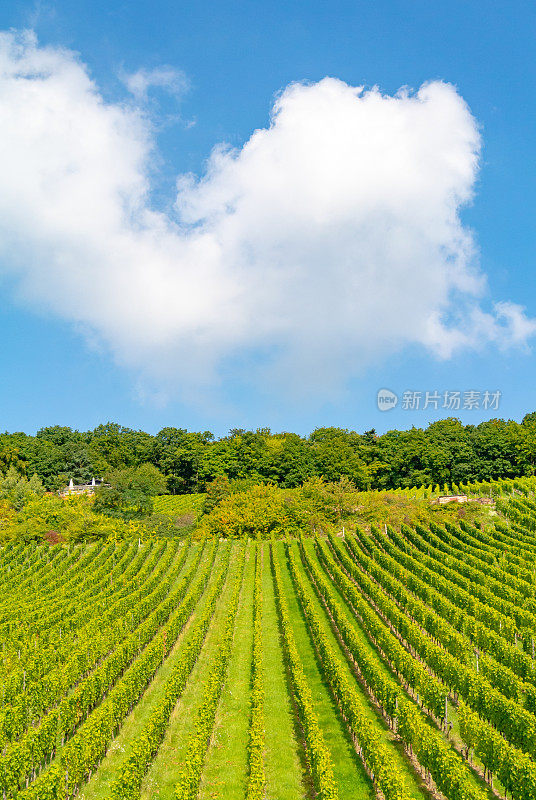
x=82, y=488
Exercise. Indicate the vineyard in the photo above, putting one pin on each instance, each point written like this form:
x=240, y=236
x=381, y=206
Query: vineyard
x=384, y=661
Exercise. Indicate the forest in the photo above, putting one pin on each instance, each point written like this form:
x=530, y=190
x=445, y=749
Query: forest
x=444, y=452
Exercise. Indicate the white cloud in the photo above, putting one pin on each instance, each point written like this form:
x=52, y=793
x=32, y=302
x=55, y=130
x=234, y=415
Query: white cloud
x=139, y=83
x=331, y=238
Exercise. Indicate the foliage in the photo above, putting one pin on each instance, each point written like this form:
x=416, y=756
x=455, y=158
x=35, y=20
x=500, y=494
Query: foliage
x=260, y=512
x=118, y=691
x=74, y=519
x=264, y=510
x=376, y=757
x=240, y=508
x=18, y=489
x=129, y=493
x=221, y=487
x=446, y=452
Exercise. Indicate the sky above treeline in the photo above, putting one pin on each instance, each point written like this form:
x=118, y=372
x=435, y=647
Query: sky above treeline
x=222, y=215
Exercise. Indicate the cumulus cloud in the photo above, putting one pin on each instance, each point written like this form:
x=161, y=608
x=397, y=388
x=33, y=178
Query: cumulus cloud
x=331, y=238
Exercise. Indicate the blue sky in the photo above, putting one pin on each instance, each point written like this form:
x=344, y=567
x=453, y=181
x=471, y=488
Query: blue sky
x=235, y=57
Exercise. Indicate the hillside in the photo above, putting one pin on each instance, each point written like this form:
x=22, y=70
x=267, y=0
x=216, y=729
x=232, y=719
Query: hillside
x=392, y=659
x=234, y=510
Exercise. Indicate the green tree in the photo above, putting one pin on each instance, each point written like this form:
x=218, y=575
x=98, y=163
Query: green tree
x=337, y=453
x=260, y=512
x=130, y=492
x=18, y=489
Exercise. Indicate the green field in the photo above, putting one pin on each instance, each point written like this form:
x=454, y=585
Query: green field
x=177, y=505
x=393, y=662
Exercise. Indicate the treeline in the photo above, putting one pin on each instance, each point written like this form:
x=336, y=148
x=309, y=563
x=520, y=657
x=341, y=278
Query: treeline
x=444, y=452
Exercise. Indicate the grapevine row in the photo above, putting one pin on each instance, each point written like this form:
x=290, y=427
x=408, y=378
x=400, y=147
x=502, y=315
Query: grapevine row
x=318, y=755
x=256, y=777
x=429, y=747
x=82, y=754
x=127, y=786
x=515, y=723
x=187, y=784
x=28, y=755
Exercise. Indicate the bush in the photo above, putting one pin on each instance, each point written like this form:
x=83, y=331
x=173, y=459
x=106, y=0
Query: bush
x=19, y=490
x=260, y=512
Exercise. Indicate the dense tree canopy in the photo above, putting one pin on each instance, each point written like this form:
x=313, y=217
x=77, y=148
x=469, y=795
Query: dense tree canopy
x=444, y=452
x=129, y=492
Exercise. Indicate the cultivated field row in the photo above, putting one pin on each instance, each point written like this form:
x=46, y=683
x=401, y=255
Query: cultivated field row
x=385, y=663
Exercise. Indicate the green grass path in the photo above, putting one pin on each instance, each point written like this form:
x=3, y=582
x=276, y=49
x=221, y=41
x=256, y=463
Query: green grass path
x=225, y=771
x=284, y=774
x=350, y=777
